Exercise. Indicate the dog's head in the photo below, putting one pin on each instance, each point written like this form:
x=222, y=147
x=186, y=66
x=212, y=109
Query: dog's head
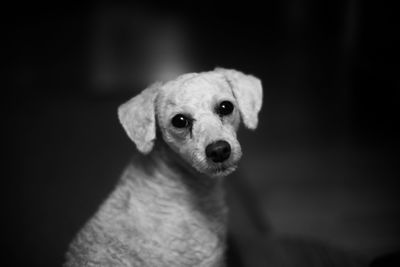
x=198, y=115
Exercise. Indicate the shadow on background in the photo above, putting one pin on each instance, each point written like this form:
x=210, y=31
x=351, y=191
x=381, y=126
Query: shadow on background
x=321, y=168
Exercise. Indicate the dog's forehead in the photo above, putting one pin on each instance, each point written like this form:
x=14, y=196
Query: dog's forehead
x=197, y=88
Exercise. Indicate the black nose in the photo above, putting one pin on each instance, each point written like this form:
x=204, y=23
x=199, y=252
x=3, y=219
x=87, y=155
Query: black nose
x=218, y=151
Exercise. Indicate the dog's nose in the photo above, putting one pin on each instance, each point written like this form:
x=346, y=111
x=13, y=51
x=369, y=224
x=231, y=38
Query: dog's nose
x=218, y=151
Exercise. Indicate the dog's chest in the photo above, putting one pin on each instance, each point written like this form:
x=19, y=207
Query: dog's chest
x=181, y=238
x=149, y=230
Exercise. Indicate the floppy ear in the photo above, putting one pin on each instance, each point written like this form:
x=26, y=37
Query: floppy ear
x=137, y=116
x=247, y=90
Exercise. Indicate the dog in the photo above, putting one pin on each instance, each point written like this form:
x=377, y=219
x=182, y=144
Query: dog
x=168, y=207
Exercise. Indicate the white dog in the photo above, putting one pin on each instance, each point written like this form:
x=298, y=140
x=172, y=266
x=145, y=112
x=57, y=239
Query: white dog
x=168, y=208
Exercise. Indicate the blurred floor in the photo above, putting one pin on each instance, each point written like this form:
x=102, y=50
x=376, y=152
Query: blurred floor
x=345, y=195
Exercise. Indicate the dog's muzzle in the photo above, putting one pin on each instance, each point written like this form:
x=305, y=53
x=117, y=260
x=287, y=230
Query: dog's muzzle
x=218, y=151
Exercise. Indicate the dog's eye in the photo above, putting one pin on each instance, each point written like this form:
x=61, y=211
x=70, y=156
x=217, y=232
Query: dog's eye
x=225, y=108
x=180, y=121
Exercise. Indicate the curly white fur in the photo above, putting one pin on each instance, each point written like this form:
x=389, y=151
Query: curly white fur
x=168, y=208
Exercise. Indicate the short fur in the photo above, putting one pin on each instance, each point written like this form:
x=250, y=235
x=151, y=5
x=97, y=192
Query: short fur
x=168, y=208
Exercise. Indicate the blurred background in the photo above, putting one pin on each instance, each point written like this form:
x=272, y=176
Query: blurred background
x=323, y=164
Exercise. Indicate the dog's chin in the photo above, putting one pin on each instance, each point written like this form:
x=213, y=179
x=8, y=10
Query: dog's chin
x=215, y=170
x=223, y=172
x=220, y=170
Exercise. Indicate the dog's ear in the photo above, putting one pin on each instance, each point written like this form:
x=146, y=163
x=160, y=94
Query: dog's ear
x=137, y=116
x=247, y=90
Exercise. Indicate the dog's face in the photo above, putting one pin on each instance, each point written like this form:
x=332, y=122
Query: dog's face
x=198, y=119
x=198, y=116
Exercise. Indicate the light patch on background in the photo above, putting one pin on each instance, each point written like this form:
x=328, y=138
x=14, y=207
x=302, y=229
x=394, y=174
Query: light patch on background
x=133, y=47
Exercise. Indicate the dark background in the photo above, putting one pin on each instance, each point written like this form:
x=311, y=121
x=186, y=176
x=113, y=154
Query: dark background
x=323, y=163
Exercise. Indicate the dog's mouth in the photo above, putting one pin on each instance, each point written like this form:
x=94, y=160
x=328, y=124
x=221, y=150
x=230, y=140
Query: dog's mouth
x=208, y=166
x=220, y=170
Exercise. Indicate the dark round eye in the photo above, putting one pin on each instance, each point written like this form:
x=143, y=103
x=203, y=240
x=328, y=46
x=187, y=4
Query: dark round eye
x=225, y=108
x=180, y=121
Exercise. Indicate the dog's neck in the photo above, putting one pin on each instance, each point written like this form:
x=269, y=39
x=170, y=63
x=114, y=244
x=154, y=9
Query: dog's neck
x=165, y=176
